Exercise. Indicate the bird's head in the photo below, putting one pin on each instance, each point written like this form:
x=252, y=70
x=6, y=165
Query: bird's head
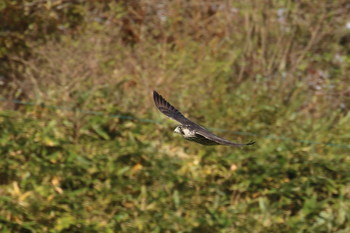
x=178, y=130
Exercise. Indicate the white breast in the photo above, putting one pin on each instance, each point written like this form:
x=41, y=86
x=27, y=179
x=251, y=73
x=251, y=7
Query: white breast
x=188, y=133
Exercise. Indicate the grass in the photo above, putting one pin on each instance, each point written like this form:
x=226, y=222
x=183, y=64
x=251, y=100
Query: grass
x=70, y=163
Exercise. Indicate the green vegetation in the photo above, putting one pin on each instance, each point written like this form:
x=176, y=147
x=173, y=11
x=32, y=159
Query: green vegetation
x=87, y=151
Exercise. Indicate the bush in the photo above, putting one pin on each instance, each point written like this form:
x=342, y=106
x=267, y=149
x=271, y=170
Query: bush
x=84, y=149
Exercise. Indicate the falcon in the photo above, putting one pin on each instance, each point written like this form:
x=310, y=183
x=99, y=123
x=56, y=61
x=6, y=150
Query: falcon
x=188, y=129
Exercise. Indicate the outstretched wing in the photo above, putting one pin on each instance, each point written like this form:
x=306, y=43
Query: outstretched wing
x=167, y=109
x=200, y=132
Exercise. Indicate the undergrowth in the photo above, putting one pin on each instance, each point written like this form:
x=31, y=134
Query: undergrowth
x=83, y=149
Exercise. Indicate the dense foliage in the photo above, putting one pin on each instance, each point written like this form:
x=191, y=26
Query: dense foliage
x=84, y=150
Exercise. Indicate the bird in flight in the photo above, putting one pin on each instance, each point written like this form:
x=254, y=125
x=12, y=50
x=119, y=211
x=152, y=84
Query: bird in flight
x=188, y=129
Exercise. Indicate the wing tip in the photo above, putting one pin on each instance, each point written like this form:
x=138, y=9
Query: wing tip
x=250, y=143
x=156, y=97
x=155, y=94
x=159, y=101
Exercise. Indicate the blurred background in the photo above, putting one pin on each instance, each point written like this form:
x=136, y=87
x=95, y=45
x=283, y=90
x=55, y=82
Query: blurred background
x=83, y=149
